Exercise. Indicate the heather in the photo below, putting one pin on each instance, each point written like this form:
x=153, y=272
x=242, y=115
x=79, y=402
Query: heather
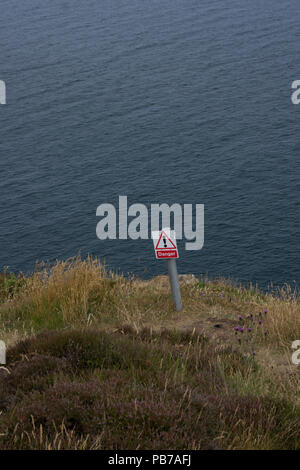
x=96, y=360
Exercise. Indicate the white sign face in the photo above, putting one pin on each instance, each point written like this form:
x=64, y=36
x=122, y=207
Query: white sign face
x=165, y=244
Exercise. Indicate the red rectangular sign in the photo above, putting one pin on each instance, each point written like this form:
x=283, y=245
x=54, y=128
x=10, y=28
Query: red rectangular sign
x=166, y=253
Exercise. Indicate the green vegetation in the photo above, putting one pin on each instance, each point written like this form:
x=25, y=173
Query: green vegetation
x=98, y=361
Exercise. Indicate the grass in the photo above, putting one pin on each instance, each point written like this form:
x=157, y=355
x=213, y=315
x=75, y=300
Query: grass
x=99, y=361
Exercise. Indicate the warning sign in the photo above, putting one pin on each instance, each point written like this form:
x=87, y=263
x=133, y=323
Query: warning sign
x=165, y=244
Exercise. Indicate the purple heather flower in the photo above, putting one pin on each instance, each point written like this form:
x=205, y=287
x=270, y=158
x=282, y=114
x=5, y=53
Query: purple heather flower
x=249, y=329
x=240, y=317
x=260, y=322
x=254, y=353
x=236, y=328
x=266, y=311
x=242, y=329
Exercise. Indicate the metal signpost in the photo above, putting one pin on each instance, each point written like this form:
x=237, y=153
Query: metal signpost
x=165, y=248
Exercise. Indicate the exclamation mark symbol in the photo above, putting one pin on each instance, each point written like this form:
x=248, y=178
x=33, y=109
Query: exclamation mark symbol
x=165, y=242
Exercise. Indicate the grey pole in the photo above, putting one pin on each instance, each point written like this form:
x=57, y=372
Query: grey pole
x=173, y=277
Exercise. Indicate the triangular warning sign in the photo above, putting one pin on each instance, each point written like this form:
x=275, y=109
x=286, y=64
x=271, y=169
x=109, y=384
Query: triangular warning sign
x=165, y=242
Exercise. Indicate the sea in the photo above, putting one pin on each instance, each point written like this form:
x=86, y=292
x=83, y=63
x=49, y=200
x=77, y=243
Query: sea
x=163, y=101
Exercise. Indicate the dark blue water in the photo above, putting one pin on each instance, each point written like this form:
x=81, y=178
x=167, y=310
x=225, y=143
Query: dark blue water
x=162, y=101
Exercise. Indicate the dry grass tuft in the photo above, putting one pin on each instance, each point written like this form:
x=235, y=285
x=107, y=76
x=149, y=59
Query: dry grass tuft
x=216, y=375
